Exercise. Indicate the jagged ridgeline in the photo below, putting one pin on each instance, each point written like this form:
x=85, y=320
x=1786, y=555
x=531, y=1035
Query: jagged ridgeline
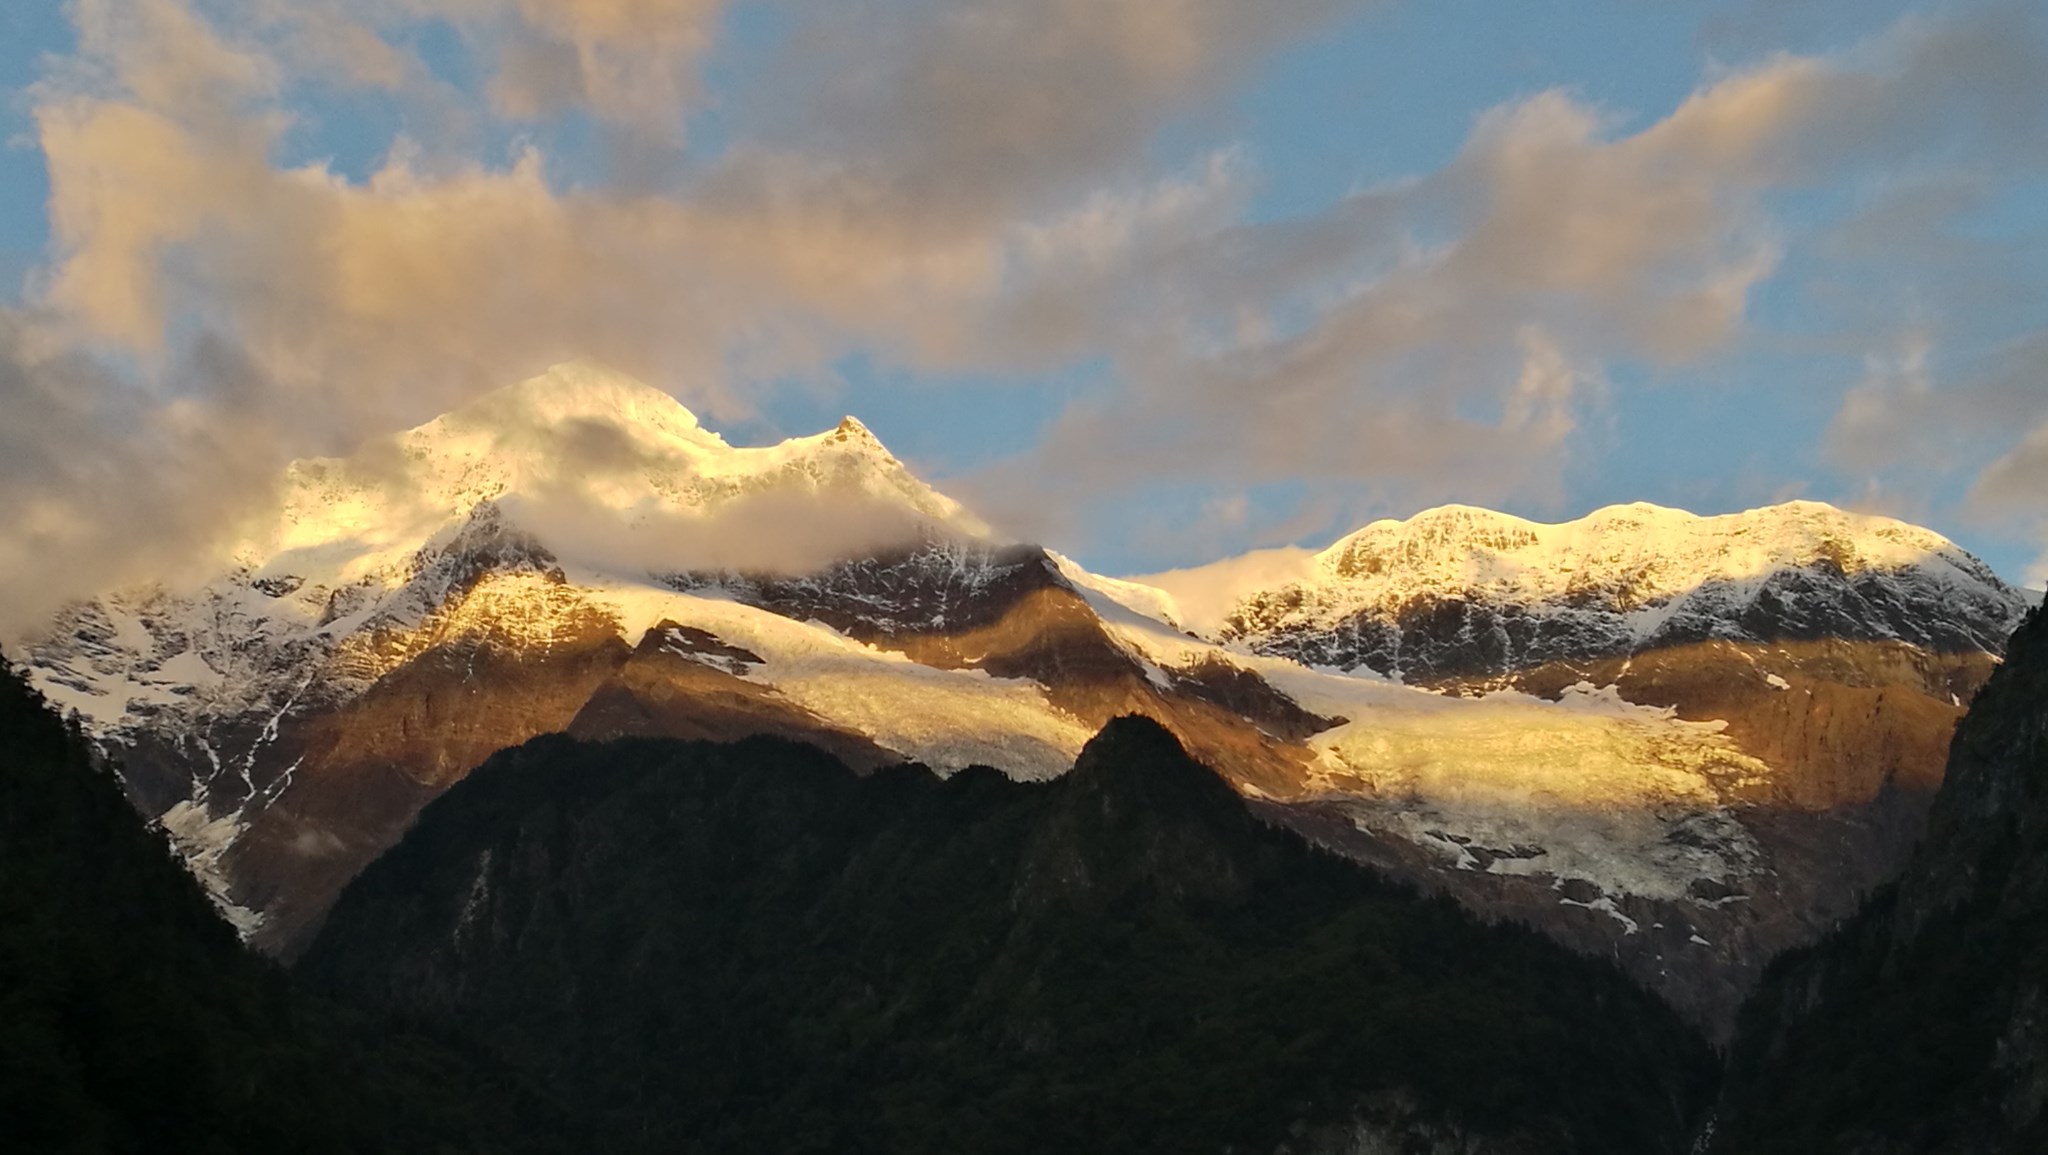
x=1921, y=1025
x=750, y=948
x=132, y=1020
x=1679, y=743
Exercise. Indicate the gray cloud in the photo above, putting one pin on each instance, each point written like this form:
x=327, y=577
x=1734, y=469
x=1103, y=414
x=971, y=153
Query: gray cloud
x=1441, y=338
x=1950, y=321
x=2017, y=480
x=2015, y=486
x=958, y=115
x=331, y=310
x=105, y=488
x=961, y=186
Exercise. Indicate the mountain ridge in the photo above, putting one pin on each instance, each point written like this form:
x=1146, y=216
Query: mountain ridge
x=745, y=948
x=1664, y=804
x=1622, y=578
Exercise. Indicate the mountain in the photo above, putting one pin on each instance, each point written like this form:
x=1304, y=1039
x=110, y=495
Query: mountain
x=132, y=1020
x=752, y=948
x=1918, y=1025
x=1459, y=593
x=1615, y=738
x=1833, y=653
x=402, y=618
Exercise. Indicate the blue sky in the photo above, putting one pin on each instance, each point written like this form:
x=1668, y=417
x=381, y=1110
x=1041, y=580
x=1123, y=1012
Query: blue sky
x=1153, y=282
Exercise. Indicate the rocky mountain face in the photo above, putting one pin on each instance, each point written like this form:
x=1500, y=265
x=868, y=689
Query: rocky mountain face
x=1833, y=651
x=1919, y=1024
x=750, y=948
x=1681, y=743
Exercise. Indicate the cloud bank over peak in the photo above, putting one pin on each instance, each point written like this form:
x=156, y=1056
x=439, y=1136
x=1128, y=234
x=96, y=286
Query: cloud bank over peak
x=731, y=199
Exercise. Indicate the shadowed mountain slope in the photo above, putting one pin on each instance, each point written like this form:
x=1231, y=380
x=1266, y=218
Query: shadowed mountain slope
x=748, y=948
x=1921, y=1025
x=131, y=1019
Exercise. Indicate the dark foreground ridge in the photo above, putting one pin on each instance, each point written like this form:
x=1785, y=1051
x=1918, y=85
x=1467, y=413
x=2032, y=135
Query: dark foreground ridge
x=747, y=948
x=1922, y=1024
x=132, y=1021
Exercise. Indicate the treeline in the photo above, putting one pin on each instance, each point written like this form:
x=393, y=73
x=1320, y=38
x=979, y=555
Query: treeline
x=747, y=948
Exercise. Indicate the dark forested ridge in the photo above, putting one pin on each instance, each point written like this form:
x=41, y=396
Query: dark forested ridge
x=748, y=948
x=132, y=1020
x=653, y=945
x=657, y=945
x=1922, y=1024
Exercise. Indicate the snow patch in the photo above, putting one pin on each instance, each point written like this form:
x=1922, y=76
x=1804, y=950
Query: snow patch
x=947, y=719
x=1605, y=905
x=1630, y=798
x=201, y=840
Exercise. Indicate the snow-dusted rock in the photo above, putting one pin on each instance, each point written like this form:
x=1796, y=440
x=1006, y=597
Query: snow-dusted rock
x=1457, y=592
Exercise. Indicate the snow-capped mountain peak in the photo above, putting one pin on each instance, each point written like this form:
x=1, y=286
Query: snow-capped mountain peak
x=578, y=391
x=591, y=454
x=1661, y=550
x=1619, y=578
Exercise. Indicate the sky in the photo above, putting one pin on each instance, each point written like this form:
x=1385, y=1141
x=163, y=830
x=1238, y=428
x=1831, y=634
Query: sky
x=1149, y=281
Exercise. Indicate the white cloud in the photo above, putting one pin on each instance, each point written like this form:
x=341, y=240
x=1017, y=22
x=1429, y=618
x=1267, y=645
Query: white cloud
x=959, y=186
x=1383, y=344
x=208, y=291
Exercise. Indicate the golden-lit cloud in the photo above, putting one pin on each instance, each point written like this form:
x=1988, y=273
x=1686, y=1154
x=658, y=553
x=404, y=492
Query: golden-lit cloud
x=2015, y=485
x=963, y=187
x=429, y=279
x=303, y=310
x=107, y=483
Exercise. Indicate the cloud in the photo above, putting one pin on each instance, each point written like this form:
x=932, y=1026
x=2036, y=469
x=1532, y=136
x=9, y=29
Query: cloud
x=986, y=111
x=397, y=297
x=2015, y=485
x=2018, y=480
x=1914, y=422
x=104, y=488
x=632, y=61
x=965, y=187
x=206, y=290
x=422, y=284
x=756, y=533
x=1948, y=313
x=635, y=63
x=1428, y=337
x=2012, y=490
x=1397, y=343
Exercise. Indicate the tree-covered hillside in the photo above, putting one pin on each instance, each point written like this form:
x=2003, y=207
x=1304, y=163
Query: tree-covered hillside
x=131, y=1020
x=747, y=948
x=1921, y=1025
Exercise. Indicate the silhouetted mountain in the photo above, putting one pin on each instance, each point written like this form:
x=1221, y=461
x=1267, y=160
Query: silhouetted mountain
x=1921, y=1025
x=132, y=1020
x=750, y=948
